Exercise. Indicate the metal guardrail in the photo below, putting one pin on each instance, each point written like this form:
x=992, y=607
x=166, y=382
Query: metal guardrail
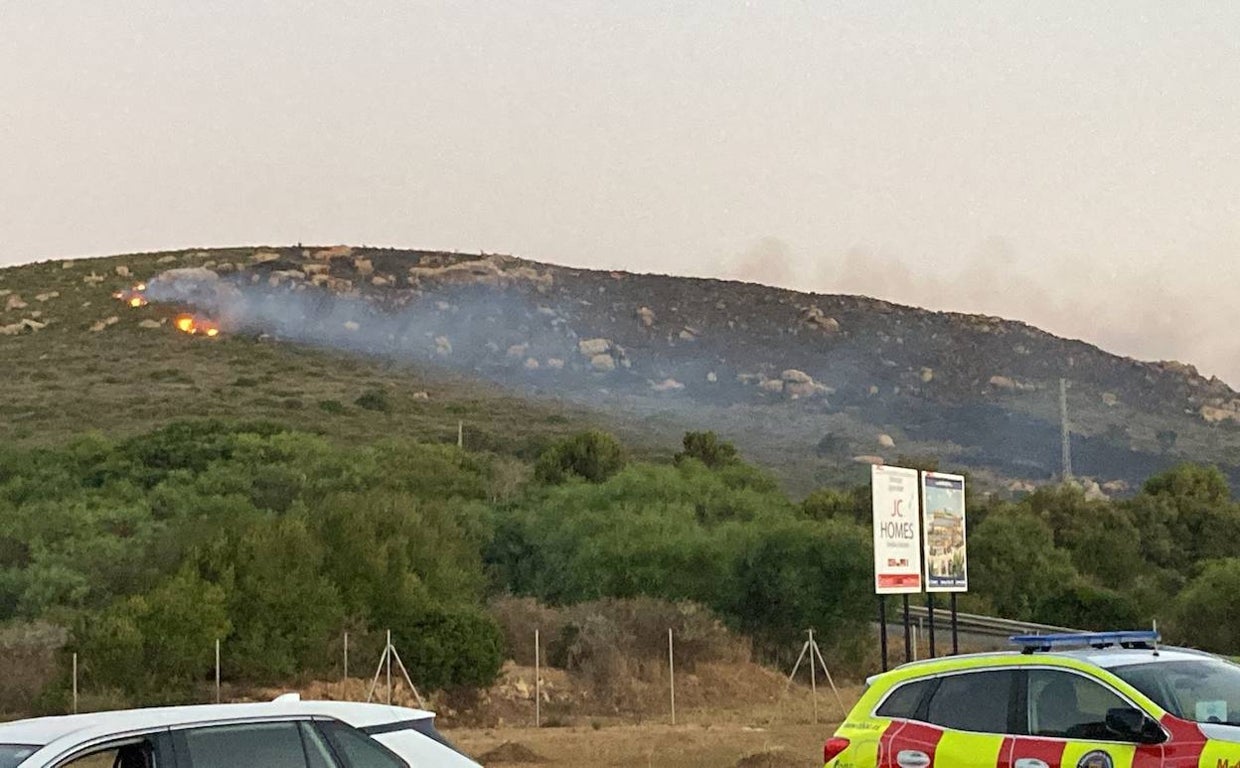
x=974, y=624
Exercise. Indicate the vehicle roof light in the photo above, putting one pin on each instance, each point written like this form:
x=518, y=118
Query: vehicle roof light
x=1145, y=639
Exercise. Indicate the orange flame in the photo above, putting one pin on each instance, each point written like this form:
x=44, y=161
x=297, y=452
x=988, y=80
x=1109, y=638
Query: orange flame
x=133, y=297
x=193, y=326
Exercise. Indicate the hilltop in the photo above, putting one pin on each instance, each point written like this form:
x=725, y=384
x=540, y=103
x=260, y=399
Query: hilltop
x=354, y=342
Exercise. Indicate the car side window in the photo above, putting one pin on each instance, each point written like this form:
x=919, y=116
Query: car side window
x=904, y=701
x=132, y=755
x=1070, y=706
x=270, y=745
x=973, y=701
x=357, y=749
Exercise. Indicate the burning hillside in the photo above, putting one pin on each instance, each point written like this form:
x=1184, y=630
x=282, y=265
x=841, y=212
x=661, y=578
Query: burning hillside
x=811, y=378
x=185, y=322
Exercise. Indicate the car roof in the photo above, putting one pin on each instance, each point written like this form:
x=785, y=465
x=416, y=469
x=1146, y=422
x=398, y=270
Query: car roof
x=1107, y=658
x=46, y=730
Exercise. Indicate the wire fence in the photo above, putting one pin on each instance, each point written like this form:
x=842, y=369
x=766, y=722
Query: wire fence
x=520, y=700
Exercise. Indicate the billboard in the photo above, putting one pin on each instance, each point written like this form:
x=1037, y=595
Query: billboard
x=946, y=550
x=897, y=530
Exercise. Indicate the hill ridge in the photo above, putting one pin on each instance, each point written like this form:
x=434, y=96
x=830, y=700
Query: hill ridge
x=815, y=382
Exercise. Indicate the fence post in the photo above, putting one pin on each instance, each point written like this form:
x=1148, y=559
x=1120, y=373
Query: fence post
x=75, y=684
x=346, y=655
x=537, y=681
x=217, y=670
x=813, y=676
x=671, y=671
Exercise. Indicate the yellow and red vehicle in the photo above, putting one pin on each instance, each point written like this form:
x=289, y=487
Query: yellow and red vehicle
x=1099, y=700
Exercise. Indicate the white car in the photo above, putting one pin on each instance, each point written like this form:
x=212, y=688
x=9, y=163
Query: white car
x=285, y=733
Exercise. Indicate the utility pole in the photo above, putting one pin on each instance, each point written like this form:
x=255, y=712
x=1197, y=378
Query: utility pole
x=1065, y=434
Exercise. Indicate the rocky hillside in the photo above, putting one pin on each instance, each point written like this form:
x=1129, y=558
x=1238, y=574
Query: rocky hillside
x=813, y=385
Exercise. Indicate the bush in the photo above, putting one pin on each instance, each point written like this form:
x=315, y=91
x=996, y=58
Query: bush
x=1081, y=605
x=518, y=618
x=158, y=645
x=591, y=456
x=1206, y=610
x=374, y=400
x=450, y=647
x=707, y=448
x=284, y=609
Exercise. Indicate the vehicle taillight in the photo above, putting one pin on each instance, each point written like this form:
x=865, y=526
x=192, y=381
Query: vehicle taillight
x=833, y=748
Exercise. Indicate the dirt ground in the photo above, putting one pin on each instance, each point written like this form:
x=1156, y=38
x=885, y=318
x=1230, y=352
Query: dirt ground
x=656, y=746
x=728, y=716
x=763, y=734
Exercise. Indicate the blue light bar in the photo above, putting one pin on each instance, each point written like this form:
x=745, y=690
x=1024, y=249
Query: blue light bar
x=1127, y=639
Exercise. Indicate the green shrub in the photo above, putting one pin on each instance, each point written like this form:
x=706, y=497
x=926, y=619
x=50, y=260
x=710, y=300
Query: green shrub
x=374, y=400
x=591, y=456
x=449, y=647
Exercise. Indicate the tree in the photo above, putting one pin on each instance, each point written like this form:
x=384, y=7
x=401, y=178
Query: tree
x=283, y=607
x=1013, y=559
x=591, y=456
x=157, y=645
x=450, y=647
x=1189, y=514
x=1206, y=610
x=1081, y=605
x=1100, y=537
x=707, y=448
x=787, y=576
x=853, y=505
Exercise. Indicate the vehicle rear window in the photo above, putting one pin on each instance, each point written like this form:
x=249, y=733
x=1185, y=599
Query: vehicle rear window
x=12, y=755
x=270, y=745
x=973, y=701
x=905, y=699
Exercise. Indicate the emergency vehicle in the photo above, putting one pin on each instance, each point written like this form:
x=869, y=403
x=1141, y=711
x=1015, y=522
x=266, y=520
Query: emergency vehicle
x=1097, y=700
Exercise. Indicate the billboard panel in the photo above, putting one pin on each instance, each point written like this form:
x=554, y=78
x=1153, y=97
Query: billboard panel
x=946, y=553
x=897, y=530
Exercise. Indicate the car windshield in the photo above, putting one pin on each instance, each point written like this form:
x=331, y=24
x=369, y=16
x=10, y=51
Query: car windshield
x=1202, y=690
x=12, y=755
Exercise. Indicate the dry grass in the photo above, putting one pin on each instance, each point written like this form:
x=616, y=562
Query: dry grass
x=736, y=733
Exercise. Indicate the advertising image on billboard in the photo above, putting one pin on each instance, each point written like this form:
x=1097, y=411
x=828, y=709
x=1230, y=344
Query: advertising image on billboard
x=897, y=530
x=946, y=552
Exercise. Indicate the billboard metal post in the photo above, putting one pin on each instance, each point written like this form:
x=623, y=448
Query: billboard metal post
x=955, y=628
x=930, y=622
x=908, y=634
x=882, y=627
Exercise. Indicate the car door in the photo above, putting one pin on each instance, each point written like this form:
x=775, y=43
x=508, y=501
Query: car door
x=1065, y=725
x=961, y=723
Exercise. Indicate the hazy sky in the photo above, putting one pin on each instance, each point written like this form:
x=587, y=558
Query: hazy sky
x=1075, y=165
